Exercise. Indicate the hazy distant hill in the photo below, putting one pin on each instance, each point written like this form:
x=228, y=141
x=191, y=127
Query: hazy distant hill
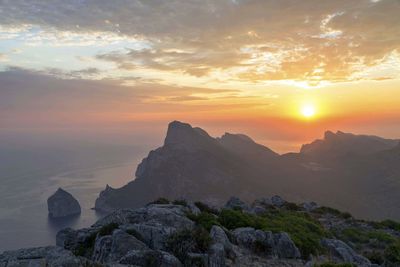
x=357, y=173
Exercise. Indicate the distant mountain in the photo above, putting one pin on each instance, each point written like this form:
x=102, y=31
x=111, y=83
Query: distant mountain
x=339, y=144
x=357, y=173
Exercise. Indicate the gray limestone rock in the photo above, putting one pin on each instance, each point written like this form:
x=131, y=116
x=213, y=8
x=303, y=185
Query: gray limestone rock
x=62, y=204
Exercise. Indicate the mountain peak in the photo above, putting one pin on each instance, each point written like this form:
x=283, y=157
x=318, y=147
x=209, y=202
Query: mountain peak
x=239, y=137
x=183, y=135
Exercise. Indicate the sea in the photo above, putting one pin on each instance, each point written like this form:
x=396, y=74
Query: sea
x=30, y=173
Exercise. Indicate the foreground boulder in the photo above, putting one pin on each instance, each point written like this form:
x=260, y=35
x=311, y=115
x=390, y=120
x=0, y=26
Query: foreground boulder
x=42, y=256
x=150, y=258
x=279, y=245
x=62, y=204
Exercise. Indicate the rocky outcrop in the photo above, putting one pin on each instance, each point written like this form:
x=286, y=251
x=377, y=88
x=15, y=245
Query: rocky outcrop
x=150, y=258
x=279, y=244
x=172, y=235
x=62, y=204
x=236, y=165
x=342, y=253
x=310, y=206
x=236, y=203
x=112, y=248
x=188, y=150
x=42, y=256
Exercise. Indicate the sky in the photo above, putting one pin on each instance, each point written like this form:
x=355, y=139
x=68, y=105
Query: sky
x=281, y=71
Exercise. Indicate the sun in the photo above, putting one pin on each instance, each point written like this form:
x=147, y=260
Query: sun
x=308, y=110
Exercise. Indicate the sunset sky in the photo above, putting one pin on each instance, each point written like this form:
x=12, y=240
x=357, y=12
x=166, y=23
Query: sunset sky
x=281, y=71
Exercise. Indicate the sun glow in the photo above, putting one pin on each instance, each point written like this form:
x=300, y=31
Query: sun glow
x=308, y=110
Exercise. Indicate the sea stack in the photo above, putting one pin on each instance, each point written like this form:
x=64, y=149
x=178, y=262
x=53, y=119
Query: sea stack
x=62, y=204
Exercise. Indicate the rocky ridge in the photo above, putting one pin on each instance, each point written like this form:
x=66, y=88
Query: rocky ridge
x=339, y=170
x=267, y=232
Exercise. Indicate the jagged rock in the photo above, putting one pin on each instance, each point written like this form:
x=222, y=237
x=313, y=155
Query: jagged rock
x=217, y=255
x=71, y=239
x=167, y=215
x=101, y=203
x=122, y=216
x=42, y=256
x=151, y=258
x=218, y=235
x=248, y=237
x=193, y=208
x=196, y=259
x=262, y=201
x=277, y=201
x=284, y=247
x=236, y=203
x=154, y=235
x=122, y=243
x=258, y=210
x=342, y=253
x=310, y=206
x=102, y=248
x=279, y=244
x=62, y=204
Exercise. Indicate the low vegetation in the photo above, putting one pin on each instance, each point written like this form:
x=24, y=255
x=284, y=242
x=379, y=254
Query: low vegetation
x=338, y=213
x=188, y=241
x=305, y=231
x=206, y=208
x=161, y=200
x=377, y=245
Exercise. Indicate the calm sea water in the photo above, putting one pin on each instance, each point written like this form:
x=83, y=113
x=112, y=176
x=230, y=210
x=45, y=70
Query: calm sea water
x=29, y=175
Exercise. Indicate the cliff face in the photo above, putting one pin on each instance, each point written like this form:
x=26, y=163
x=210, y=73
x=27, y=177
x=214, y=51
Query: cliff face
x=339, y=171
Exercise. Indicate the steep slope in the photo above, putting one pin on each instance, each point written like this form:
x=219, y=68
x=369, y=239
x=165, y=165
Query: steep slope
x=190, y=164
x=360, y=174
x=246, y=148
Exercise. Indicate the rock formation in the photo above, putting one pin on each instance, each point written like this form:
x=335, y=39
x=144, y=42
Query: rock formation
x=174, y=235
x=338, y=171
x=62, y=204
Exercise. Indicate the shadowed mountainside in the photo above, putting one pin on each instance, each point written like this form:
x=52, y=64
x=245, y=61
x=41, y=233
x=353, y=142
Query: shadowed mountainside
x=357, y=173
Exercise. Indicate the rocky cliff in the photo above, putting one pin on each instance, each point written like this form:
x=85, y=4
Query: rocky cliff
x=267, y=232
x=357, y=173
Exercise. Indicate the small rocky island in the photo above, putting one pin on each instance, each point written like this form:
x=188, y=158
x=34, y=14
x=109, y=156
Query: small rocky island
x=62, y=204
x=267, y=232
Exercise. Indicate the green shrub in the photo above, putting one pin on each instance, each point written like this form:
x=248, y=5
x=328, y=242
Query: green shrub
x=338, y=213
x=392, y=255
x=305, y=231
x=387, y=224
x=85, y=249
x=205, y=208
x=291, y=206
x=204, y=219
x=180, y=202
x=136, y=234
x=108, y=229
x=232, y=219
x=161, y=200
x=375, y=257
x=188, y=241
x=363, y=236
